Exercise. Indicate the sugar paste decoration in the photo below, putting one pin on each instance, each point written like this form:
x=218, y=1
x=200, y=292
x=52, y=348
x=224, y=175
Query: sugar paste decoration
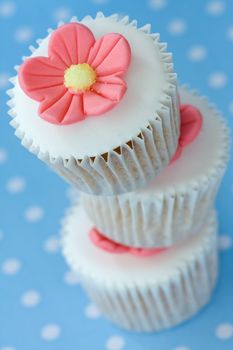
x=110, y=246
x=80, y=77
x=191, y=121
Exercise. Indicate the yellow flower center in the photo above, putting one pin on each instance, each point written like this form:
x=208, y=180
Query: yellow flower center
x=79, y=77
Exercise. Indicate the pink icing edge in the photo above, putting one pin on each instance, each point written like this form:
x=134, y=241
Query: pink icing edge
x=106, y=244
x=146, y=252
x=110, y=246
x=189, y=135
x=177, y=155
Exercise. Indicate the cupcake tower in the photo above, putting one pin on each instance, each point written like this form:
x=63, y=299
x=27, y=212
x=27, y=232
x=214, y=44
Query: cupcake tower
x=97, y=100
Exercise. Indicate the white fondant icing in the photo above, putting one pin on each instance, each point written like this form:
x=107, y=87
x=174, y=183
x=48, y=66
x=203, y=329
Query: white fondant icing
x=126, y=268
x=146, y=78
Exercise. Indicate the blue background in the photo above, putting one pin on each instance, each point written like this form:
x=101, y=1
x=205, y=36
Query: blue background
x=33, y=199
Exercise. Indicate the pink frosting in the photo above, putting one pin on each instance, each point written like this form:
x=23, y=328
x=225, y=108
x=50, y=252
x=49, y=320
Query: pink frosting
x=190, y=125
x=42, y=78
x=110, y=246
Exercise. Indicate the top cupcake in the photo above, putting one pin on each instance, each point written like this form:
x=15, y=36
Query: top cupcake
x=97, y=100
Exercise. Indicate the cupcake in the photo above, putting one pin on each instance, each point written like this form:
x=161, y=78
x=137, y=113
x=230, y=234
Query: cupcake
x=143, y=294
x=175, y=204
x=97, y=101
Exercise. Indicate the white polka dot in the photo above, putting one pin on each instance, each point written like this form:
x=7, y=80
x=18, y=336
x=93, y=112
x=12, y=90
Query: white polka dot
x=215, y=8
x=34, y=214
x=115, y=343
x=30, y=298
x=61, y=14
x=50, y=332
x=3, y=155
x=11, y=266
x=92, y=311
x=71, y=278
x=177, y=26
x=157, y=4
x=217, y=80
x=23, y=34
x=15, y=185
x=181, y=348
x=197, y=53
x=224, y=331
x=225, y=242
x=7, y=8
x=4, y=80
x=52, y=244
x=7, y=347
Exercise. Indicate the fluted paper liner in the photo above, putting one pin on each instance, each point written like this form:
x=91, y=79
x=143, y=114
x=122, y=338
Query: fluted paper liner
x=155, y=304
x=165, y=217
x=132, y=164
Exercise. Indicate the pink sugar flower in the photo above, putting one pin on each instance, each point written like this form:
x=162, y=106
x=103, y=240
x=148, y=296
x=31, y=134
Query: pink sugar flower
x=80, y=77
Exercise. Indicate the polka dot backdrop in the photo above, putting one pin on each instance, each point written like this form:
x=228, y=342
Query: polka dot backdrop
x=42, y=304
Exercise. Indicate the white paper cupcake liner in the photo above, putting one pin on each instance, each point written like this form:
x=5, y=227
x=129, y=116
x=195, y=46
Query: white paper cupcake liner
x=146, y=294
x=162, y=217
x=132, y=164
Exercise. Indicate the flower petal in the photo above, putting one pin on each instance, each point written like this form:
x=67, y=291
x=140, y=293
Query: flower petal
x=111, y=54
x=63, y=109
x=113, y=92
x=38, y=74
x=190, y=126
x=145, y=252
x=113, y=247
x=191, y=123
x=177, y=154
x=94, y=104
x=111, y=79
x=105, y=243
x=71, y=43
x=75, y=112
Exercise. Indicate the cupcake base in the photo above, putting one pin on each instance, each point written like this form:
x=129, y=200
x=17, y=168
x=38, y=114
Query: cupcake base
x=143, y=294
